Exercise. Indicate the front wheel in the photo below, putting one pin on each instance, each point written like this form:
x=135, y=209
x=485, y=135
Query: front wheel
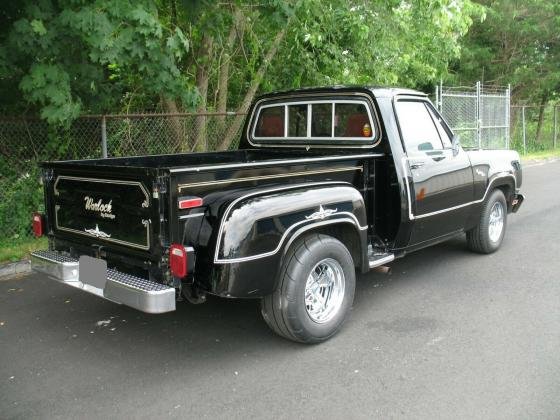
x=315, y=290
x=489, y=234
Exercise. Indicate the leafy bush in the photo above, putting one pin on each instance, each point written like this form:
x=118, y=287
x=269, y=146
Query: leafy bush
x=20, y=194
x=12, y=250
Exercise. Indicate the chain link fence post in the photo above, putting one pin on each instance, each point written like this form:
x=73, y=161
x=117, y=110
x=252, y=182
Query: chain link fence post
x=555, y=110
x=524, y=130
x=478, y=120
x=103, y=136
x=508, y=114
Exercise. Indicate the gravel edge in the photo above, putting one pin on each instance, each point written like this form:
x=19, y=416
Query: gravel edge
x=10, y=270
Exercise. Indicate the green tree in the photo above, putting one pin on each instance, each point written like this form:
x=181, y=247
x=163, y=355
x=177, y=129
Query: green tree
x=72, y=56
x=315, y=42
x=518, y=43
x=66, y=57
x=60, y=58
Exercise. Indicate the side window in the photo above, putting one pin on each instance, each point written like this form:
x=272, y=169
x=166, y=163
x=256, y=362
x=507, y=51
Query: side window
x=443, y=134
x=271, y=122
x=417, y=127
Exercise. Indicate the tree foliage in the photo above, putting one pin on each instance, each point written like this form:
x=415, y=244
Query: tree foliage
x=70, y=56
x=61, y=58
x=518, y=43
x=378, y=42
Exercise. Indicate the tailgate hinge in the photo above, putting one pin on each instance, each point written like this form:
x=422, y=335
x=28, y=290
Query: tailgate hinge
x=160, y=186
x=48, y=175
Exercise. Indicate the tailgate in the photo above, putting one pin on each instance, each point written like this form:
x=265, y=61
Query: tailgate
x=110, y=207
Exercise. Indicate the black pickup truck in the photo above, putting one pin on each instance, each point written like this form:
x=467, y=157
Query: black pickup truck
x=326, y=181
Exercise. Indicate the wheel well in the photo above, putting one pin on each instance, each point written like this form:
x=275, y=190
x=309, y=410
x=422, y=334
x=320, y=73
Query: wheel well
x=345, y=233
x=507, y=188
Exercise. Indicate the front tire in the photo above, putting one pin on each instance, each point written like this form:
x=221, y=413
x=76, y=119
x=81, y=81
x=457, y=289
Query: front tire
x=489, y=234
x=315, y=290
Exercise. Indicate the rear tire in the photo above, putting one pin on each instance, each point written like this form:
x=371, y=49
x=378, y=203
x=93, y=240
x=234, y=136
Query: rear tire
x=315, y=290
x=489, y=234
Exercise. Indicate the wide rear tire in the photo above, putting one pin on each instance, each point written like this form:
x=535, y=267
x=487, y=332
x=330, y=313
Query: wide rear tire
x=489, y=234
x=315, y=290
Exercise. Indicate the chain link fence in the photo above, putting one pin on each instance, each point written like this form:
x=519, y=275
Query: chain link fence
x=458, y=105
x=479, y=115
x=534, y=128
x=24, y=142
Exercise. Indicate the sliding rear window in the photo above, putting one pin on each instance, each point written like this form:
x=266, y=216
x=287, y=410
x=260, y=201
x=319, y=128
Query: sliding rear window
x=344, y=121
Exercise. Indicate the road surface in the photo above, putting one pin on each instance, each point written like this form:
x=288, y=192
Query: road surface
x=449, y=334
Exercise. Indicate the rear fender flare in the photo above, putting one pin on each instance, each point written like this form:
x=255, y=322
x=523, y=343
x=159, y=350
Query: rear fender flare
x=263, y=223
x=354, y=238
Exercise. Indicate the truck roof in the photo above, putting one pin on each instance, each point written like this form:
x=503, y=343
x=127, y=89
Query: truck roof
x=377, y=91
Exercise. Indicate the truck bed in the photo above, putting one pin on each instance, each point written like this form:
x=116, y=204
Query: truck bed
x=128, y=206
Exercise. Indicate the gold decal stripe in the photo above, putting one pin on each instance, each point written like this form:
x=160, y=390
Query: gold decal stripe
x=261, y=177
x=104, y=181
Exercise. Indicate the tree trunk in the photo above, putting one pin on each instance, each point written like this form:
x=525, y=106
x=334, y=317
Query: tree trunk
x=173, y=5
x=175, y=124
x=236, y=125
x=513, y=124
x=223, y=79
x=202, y=77
x=544, y=100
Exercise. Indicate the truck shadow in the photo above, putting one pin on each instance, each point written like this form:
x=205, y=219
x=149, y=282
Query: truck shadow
x=411, y=268
x=218, y=331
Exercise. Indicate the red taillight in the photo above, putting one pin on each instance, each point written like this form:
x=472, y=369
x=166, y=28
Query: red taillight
x=178, y=260
x=38, y=224
x=190, y=202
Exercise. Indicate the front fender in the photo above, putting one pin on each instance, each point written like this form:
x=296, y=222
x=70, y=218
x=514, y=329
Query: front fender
x=259, y=224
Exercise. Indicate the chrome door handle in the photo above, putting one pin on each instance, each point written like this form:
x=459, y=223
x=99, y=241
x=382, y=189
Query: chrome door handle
x=416, y=165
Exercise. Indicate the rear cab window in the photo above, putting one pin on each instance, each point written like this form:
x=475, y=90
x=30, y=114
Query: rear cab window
x=315, y=121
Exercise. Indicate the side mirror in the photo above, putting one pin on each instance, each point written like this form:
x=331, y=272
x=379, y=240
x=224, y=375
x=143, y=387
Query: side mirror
x=455, y=145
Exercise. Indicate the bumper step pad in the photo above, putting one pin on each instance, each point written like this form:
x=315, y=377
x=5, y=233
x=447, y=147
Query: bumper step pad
x=136, y=292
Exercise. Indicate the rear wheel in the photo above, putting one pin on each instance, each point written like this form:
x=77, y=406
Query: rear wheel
x=489, y=234
x=315, y=290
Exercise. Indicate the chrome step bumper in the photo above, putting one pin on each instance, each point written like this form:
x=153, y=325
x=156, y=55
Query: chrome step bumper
x=142, y=294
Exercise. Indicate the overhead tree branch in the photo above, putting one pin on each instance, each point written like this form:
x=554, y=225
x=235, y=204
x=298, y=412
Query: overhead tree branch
x=223, y=78
x=202, y=78
x=250, y=95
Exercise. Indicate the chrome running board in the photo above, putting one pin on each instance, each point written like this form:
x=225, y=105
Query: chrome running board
x=376, y=260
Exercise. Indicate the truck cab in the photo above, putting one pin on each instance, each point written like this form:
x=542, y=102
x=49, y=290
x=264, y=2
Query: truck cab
x=326, y=182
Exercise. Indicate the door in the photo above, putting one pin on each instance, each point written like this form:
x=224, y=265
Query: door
x=440, y=180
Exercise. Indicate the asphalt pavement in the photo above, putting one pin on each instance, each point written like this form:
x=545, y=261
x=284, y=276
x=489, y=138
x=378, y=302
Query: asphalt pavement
x=449, y=334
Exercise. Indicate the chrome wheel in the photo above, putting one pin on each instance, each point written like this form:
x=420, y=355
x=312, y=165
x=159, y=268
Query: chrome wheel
x=324, y=290
x=496, y=222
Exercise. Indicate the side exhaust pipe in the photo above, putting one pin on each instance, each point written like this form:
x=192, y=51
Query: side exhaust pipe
x=383, y=269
